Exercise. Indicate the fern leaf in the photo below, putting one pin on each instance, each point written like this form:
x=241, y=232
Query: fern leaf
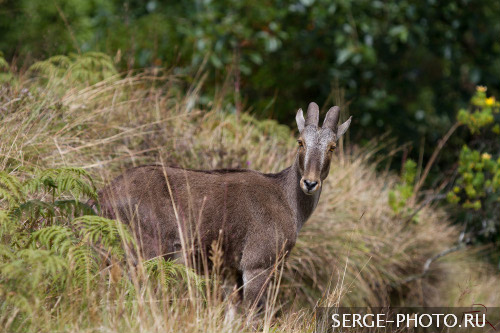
x=87, y=68
x=73, y=207
x=68, y=179
x=41, y=265
x=84, y=264
x=99, y=229
x=56, y=238
x=171, y=273
x=7, y=224
x=10, y=189
x=33, y=210
x=6, y=253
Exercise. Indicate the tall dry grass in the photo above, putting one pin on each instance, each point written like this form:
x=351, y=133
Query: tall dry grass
x=355, y=250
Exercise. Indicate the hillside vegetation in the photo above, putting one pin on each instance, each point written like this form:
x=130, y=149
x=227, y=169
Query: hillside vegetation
x=71, y=124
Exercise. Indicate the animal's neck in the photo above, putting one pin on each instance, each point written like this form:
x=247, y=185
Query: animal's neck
x=302, y=204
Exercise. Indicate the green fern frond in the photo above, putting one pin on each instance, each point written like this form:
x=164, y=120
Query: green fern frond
x=4, y=216
x=6, y=224
x=73, y=207
x=87, y=68
x=171, y=273
x=33, y=210
x=97, y=229
x=56, y=238
x=6, y=253
x=10, y=189
x=84, y=264
x=30, y=274
x=16, y=300
x=41, y=265
x=67, y=179
x=54, y=66
x=162, y=270
x=10, y=233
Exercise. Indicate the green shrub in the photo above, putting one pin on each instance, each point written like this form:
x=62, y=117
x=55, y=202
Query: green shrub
x=477, y=188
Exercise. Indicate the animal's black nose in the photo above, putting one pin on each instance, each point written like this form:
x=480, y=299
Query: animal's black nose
x=309, y=184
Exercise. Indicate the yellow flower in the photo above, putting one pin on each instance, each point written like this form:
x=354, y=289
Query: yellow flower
x=481, y=88
x=486, y=156
x=490, y=101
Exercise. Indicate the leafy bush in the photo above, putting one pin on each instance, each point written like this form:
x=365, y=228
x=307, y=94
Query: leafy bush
x=477, y=188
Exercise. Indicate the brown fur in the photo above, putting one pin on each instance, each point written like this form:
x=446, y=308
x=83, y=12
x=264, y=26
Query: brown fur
x=255, y=217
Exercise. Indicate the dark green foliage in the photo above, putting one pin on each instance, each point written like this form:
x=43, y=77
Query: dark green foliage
x=406, y=66
x=58, y=27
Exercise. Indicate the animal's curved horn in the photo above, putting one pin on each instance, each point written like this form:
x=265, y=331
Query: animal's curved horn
x=312, y=117
x=332, y=118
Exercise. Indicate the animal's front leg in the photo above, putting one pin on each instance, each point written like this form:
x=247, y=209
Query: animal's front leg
x=255, y=283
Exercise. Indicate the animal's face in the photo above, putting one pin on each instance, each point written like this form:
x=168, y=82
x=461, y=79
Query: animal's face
x=316, y=145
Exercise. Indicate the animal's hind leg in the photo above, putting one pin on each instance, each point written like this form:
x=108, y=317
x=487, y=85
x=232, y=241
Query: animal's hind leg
x=231, y=293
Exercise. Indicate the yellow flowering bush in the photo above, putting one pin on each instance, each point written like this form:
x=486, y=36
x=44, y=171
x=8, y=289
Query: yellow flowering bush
x=483, y=111
x=477, y=188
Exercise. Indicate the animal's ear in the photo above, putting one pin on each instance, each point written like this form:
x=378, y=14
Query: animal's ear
x=300, y=120
x=343, y=128
x=312, y=114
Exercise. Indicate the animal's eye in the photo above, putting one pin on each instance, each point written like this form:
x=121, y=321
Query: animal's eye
x=301, y=144
x=333, y=147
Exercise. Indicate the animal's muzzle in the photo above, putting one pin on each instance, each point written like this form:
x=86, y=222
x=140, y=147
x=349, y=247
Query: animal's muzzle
x=309, y=186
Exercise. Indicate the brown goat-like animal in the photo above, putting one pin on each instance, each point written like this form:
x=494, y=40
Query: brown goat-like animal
x=255, y=217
